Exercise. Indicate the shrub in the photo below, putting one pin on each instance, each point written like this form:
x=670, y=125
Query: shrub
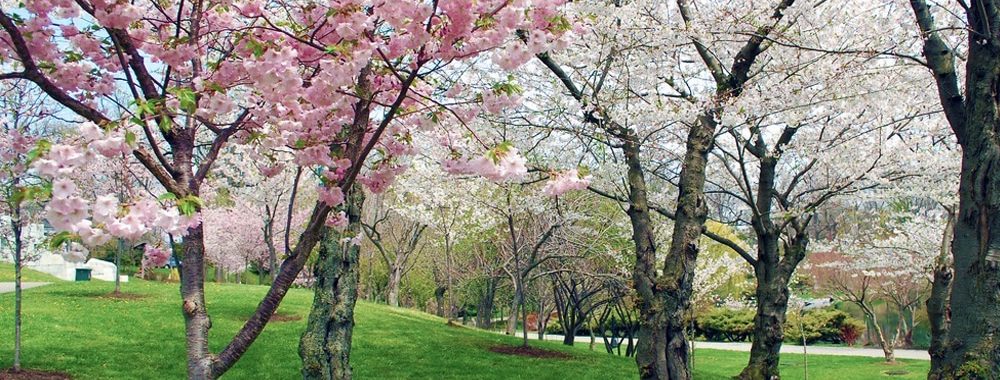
x=826, y=325
x=722, y=324
x=736, y=325
x=850, y=333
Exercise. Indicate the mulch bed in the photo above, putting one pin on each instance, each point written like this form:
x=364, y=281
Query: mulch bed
x=282, y=317
x=122, y=296
x=529, y=352
x=31, y=374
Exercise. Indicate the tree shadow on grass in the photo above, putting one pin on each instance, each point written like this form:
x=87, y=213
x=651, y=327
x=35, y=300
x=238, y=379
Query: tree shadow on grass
x=532, y=352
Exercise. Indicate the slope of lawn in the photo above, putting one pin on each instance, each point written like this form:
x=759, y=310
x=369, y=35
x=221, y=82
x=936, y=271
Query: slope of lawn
x=27, y=275
x=76, y=328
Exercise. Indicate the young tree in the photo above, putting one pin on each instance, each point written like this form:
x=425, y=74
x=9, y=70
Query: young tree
x=856, y=281
x=888, y=255
x=526, y=248
x=398, y=242
x=20, y=192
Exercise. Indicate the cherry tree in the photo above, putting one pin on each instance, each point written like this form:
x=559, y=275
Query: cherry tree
x=399, y=242
x=962, y=347
x=23, y=112
x=675, y=101
x=326, y=80
x=449, y=208
x=234, y=238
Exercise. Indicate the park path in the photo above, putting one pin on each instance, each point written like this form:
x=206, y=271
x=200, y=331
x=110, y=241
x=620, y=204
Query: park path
x=785, y=348
x=819, y=350
x=8, y=287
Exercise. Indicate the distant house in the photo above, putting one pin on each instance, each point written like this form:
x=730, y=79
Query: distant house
x=61, y=264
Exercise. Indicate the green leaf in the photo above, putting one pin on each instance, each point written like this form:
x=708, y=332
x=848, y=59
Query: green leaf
x=130, y=138
x=18, y=196
x=187, y=99
x=167, y=197
x=165, y=124
x=41, y=148
x=189, y=205
x=485, y=22
x=60, y=238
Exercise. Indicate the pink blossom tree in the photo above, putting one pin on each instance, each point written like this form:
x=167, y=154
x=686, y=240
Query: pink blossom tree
x=21, y=125
x=329, y=81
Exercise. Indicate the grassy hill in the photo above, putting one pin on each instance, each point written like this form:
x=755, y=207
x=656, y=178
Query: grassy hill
x=77, y=328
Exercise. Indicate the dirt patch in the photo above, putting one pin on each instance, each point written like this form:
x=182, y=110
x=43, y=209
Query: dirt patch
x=282, y=317
x=122, y=296
x=31, y=374
x=898, y=372
x=529, y=352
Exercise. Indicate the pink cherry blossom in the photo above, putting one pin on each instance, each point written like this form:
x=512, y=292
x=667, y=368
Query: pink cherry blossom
x=338, y=221
x=331, y=196
x=565, y=181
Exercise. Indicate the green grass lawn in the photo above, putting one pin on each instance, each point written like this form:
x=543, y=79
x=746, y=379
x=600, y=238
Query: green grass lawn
x=27, y=275
x=72, y=327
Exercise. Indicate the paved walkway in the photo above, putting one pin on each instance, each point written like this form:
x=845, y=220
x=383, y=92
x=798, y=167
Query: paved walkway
x=785, y=348
x=8, y=287
x=819, y=350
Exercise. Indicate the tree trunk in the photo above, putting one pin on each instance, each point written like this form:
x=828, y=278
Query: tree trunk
x=118, y=264
x=773, y=273
x=452, y=308
x=18, y=258
x=937, y=310
x=971, y=347
x=886, y=346
x=543, y=323
x=392, y=288
x=662, y=351
x=272, y=251
x=325, y=346
x=484, y=310
x=512, y=318
x=651, y=354
x=196, y=320
x=678, y=272
x=524, y=311
x=439, y=300
x=772, y=304
x=569, y=335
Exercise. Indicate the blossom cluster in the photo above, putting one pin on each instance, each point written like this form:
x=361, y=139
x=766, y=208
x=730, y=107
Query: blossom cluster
x=565, y=181
x=97, y=223
x=154, y=257
x=500, y=164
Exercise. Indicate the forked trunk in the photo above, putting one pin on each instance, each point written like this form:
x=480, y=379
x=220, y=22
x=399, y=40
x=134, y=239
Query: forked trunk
x=662, y=352
x=767, y=334
x=570, y=337
x=484, y=310
x=773, y=273
x=884, y=344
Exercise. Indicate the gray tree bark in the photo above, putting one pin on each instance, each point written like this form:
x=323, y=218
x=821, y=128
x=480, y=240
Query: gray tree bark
x=969, y=347
x=325, y=346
